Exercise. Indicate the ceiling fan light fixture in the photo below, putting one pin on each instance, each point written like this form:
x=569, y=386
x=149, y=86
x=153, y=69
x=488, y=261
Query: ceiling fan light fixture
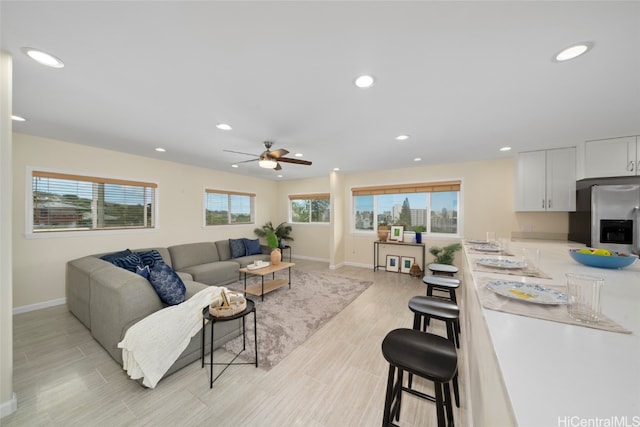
x=267, y=163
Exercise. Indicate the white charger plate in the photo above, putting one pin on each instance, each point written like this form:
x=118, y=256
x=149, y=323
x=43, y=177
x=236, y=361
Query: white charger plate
x=507, y=264
x=528, y=292
x=487, y=248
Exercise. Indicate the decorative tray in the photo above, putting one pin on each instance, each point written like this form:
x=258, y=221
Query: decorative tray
x=507, y=264
x=527, y=292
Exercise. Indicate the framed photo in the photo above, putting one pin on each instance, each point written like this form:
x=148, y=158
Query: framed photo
x=393, y=263
x=405, y=263
x=397, y=233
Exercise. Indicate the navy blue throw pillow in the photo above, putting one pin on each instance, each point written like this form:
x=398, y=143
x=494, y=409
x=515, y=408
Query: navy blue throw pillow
x=129, y=262
x=167, y=284
x=150, y=257
x=143, y=271
x=237, y=248
x=115, y=255
x=252, y=247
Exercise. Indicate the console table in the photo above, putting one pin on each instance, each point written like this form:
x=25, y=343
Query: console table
x=376, y=251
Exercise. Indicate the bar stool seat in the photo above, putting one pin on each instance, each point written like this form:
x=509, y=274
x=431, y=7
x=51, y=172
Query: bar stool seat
x=428, y=356
x=442, y=269
x=446, y=284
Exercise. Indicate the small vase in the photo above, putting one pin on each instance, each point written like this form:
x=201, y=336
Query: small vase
x=383, y=235
x=276, y=257
x=418, y=237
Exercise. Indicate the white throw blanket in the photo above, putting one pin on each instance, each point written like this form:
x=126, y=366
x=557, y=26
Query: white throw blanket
x=152, y=345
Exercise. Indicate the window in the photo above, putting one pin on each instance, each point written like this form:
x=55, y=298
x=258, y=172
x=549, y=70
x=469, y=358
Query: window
x=310, y=208
x=64, y=202
x=431, y=205
x=228, y=207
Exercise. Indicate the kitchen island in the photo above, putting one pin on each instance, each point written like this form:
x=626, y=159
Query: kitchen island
x=524, y=371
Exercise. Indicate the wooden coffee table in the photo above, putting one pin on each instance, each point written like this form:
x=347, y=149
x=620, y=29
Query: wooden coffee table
x=270, y=285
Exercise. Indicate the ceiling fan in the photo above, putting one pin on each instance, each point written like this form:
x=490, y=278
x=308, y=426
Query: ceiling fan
x=271, y=159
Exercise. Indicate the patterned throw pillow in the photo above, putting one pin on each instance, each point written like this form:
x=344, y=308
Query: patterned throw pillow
x=143, y=271
x=252, y=247
x=129, y=262
x=167, y=284
x=115, y=255
x=237, y=248
x=150, y=257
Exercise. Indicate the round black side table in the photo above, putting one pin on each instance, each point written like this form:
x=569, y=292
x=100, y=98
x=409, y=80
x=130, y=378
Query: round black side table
x=251, y=308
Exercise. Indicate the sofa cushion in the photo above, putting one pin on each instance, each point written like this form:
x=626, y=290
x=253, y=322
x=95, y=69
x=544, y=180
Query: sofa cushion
x=216, y=273
x=187, y=255
x=143, y=271
x=167, y=284
x=224, y=252
x=237, y=248
x=252, y=247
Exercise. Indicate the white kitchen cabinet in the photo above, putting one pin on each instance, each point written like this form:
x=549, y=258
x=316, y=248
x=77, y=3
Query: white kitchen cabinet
x=612, y=157
x=546, y=181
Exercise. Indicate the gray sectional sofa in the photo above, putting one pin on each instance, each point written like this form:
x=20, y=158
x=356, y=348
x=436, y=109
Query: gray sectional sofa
x=108, y=299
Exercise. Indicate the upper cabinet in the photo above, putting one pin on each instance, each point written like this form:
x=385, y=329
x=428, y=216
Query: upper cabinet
x=612, y=157
x=546, y=181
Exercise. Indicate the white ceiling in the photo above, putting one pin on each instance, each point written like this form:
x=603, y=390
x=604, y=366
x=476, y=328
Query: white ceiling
x=462, y=78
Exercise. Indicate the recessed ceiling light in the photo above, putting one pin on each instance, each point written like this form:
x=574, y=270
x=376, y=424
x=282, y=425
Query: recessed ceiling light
x=43, y=58
x=573, y=51
x=280, y=176
x=223, y=126
x=417, y=159
x=298, y=155
x=402, y=137
x=18, y=118
x=160, y=150
x=234, y=166
x=505, y=149
x=364, y=81
x=336, y=169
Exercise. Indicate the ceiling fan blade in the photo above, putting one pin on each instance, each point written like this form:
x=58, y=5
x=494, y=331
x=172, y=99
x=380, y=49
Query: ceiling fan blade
x=247, y=161
x=240, y=152
x=278, y=167
x=278, y=153
x=296, y=161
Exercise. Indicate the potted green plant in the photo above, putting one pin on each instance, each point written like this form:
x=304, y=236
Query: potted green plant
x=282, y=232
x=446, y=254
x=272, y=241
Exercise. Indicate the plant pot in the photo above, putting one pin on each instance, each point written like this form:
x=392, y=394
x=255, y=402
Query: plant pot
x=276, y=257
x=383, y=235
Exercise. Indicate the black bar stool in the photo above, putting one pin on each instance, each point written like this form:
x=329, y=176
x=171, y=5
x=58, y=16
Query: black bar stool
x=423, y=309
x=444, y=284
x=442, y=269
x=428, y=356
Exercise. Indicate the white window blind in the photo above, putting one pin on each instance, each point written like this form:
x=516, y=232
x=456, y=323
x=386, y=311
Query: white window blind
x=68, y=202
x=228, y=207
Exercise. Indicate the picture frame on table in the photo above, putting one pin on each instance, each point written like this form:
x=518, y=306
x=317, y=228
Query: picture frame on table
x=406, y=262
x=393, y=263
x=397, y=233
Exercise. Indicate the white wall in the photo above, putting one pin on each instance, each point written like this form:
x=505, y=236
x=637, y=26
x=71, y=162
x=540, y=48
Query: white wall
x=39, y=263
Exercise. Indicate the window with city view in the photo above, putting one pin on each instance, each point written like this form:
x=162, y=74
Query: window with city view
x=310, y=208
x=66, y=202
x=228, y=207
x=433, y=206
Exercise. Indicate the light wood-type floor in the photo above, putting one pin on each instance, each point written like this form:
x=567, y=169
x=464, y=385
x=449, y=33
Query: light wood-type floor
x=62, y=377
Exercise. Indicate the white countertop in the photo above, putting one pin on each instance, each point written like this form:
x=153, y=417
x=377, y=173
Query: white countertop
x=558, y=374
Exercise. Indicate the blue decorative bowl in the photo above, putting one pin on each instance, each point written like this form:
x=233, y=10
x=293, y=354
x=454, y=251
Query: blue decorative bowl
x=603, y=261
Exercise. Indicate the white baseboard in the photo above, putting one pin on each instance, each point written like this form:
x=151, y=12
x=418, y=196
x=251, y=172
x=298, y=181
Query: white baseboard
x=39, y=306
x=358, y=264
x=9, y=407
x=309, y=258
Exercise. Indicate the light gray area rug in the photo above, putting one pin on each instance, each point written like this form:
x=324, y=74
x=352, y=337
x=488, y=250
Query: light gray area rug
x=287, y=317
